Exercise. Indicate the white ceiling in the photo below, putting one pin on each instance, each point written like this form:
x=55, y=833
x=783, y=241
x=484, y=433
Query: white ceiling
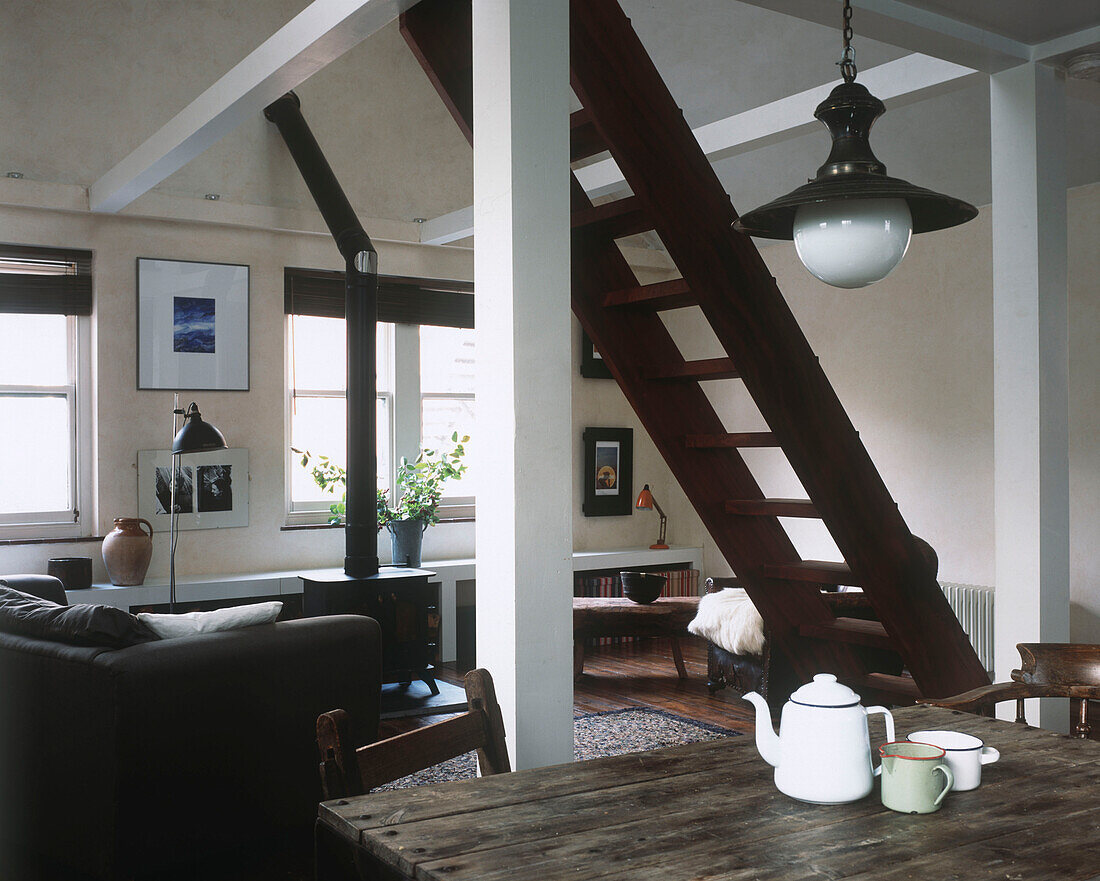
x=83, y=84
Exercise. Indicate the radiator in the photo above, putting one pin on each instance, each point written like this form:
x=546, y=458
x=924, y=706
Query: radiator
x=973, y=606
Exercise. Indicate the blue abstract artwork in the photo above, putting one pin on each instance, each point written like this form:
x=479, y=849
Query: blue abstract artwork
x=193, y=325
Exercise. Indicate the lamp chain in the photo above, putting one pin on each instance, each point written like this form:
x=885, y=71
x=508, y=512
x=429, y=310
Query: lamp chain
x=847, y=61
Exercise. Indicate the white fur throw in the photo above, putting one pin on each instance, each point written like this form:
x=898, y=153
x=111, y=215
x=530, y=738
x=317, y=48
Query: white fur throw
x=188, y=623
x=730, y=620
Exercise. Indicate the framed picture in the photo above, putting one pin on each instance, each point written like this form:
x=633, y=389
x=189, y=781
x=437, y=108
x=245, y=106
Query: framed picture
x=212, y=489
x=592, y=364
x=192, y=325
x=608, y=472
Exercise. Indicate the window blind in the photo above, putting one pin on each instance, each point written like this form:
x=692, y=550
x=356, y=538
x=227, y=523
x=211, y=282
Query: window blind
x=401, y=299
x=45, y=281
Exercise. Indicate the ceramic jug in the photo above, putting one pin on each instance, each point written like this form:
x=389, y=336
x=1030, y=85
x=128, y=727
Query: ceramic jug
x=127, y=550
x=823, y=751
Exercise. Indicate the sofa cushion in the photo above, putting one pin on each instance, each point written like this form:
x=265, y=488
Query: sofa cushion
x=83, y=624
x=231, y=618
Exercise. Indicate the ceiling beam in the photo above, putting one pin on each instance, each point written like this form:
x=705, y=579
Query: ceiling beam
x=910, y=27
x=899, y=82
x=319, y=34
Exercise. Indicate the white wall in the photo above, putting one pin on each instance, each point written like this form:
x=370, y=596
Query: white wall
x=129, y=420
x=910, y=358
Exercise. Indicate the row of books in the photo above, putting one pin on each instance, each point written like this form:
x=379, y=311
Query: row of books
x=680, y=583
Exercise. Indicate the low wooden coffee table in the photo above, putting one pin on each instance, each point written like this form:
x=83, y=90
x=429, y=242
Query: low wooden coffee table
x=614, y=616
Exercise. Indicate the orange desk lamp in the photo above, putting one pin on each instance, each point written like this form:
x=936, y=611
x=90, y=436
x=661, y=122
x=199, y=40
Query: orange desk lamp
x=646, y=502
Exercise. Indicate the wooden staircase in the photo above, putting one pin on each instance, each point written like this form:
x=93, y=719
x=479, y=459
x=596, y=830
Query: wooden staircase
x=628, y=111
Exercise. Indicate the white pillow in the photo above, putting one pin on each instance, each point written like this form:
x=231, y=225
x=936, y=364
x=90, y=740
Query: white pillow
x=730, y=620
x=170, y=626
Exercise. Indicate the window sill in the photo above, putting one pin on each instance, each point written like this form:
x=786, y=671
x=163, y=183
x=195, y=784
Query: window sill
x=295, y=527
x=10, y=542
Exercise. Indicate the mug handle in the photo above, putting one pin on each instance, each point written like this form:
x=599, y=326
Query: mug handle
x=990, y=755
x=889, y=729
x=950, y=782
x=150, y=525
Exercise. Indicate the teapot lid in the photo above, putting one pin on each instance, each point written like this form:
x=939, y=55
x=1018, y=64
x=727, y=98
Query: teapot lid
x=825, y=691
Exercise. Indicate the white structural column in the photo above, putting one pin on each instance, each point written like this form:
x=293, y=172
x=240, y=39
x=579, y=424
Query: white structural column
x=524, y=446
x=1031, y=413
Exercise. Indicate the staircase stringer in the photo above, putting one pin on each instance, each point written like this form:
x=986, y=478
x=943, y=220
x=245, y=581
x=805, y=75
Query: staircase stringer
x=628, y=107
x=654, y=148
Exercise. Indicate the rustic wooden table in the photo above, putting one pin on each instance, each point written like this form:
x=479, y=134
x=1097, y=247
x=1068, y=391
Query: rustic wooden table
x=618, y=616
x=709, y=810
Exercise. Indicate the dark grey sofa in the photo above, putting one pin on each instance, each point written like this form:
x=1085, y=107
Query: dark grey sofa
x=158, y=758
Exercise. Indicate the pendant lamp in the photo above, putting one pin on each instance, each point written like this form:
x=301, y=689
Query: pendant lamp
x=851, y=225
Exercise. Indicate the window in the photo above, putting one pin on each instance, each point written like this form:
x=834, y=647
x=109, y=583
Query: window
x=447, y=401
x=318, y=408
x=425, y=379
x=45, y=301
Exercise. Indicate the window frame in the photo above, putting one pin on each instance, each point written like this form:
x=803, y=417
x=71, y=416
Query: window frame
x=314, y=513
x=77, y=521
x=407, y=303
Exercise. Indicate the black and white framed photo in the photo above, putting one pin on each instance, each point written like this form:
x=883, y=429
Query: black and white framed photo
x=592, y=364
x=211, y=489
x=192, y=325
x=608, y=472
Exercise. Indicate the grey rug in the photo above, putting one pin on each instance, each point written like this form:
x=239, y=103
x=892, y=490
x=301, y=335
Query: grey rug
x=595, y=735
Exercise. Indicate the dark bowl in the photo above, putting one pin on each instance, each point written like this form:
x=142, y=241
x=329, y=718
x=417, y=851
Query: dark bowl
x=642, y=587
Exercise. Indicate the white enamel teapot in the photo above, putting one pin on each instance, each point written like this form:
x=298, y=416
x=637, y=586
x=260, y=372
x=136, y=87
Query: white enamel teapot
x=823, y=752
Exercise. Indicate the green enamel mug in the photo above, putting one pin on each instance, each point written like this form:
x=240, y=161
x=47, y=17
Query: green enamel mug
x=915, y=777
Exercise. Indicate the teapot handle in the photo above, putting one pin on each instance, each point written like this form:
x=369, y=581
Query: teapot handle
x=889, y=729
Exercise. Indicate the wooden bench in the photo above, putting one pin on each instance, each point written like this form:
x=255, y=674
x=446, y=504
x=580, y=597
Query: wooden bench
x=615, y=616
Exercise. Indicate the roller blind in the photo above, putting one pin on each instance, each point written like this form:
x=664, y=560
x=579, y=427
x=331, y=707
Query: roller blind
x=401, y=299
x=45, y=281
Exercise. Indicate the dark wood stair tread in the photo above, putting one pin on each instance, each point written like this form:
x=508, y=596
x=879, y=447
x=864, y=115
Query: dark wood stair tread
x=673, y=294
x=817, y=571
x=887, y=689
x=851, y=630
x=622, y=217
x=707, y=368
x=584, y=140
x=738, y=440
x=772, y=507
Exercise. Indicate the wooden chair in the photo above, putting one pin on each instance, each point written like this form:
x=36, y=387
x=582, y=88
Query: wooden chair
x=1049, y=669
x=347, y=771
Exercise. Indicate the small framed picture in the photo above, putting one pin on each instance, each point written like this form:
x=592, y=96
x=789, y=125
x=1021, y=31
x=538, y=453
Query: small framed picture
x=608, y=472
x=211, y=489
x=192, y=325
x=592, y=364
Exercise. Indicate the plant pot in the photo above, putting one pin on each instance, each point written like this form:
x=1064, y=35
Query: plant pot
x=407, y=541
x=127, y=550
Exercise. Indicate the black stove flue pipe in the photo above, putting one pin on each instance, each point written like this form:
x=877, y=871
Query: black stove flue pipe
x=361, y=311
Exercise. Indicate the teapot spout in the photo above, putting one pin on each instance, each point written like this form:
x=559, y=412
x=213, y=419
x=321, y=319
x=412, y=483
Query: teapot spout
x=767, y=741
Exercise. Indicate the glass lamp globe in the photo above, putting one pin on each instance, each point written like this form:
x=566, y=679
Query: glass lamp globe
x=851, y=243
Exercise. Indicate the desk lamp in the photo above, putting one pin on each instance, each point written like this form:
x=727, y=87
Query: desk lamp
x=195, y=436
x=646, y=502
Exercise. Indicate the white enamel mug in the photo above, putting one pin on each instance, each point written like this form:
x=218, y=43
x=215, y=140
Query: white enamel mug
x=965, y=755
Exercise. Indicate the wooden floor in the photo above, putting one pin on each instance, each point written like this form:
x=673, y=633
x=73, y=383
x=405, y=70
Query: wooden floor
x=643, y=674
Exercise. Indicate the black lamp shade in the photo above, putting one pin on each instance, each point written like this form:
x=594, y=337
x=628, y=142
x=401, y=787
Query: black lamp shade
x=853, y=172
x=196, y=436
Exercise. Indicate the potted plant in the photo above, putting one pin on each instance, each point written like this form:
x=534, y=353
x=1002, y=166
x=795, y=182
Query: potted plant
x=420, y=484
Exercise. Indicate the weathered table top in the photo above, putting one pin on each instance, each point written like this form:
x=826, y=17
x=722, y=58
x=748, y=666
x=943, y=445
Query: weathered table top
x=710, y=810
x=599, y=613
